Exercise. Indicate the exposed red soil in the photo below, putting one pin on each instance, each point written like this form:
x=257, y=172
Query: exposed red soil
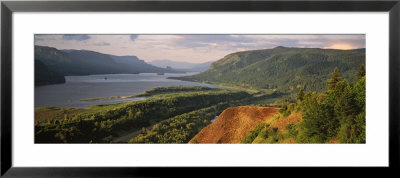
x=282, y=122
x=234, y=124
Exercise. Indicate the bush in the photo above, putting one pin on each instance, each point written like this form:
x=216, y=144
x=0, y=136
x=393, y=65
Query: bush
x=292, y=130
x=254, y=133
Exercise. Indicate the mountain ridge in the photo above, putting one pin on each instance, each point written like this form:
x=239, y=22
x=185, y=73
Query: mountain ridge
x=182, y=66
x=282, y=68
x=86, y=62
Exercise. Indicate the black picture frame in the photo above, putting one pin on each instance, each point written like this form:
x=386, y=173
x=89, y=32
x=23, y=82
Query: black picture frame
x=8, y=7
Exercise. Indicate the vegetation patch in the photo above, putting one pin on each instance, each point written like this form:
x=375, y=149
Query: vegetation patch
x=104, y=122
x=336, y=115
x=174, y=89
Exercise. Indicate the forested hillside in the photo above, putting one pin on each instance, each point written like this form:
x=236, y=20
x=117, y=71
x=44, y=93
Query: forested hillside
x=84, y=62
x=45, y=76
x=281, y=68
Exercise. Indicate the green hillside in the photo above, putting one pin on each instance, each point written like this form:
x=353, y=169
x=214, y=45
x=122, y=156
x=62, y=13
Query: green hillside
x=45, y=76
x=282, y=68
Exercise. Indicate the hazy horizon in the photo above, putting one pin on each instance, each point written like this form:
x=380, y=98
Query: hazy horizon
x=192, y=48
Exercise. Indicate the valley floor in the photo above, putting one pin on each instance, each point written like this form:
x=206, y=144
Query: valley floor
x=169, y=115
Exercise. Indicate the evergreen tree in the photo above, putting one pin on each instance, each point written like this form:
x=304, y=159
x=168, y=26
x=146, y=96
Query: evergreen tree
x=345, y=104
x=317, y=123
x=361, y=72
x=334, y=79
x=337, y=114
x=300, y=95
x=359, y=91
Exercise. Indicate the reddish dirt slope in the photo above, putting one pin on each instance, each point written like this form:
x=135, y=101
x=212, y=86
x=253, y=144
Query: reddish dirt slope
x=282, y=122
x=233, y=124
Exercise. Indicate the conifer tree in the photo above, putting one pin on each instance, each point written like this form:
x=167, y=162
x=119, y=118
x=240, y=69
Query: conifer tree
x=300, y=95
x=361, y=72
x=334, y=79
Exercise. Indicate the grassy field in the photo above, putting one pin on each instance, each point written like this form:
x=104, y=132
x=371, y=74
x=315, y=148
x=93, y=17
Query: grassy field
x=43, y=114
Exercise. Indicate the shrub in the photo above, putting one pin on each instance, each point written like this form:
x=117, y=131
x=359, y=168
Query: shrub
x=292, y=130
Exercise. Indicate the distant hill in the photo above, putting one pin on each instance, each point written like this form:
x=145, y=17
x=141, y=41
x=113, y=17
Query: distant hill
x=201, y=67
x=282, y=68
x=84, y=62
x=360, y=50
x=234, y=124
x=129, y=60
x=182, y=66
x=45, y=76
x=171, y=63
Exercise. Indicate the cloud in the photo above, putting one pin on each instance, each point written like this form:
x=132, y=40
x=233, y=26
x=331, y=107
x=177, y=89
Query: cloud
x=198, y=48
x=336, y=41
x=133, y=37
x=76, y=37
x=234, y=42
x=45, y=37
x=101, y=44
x=38, y=39
x=344, y=46
x=219, y=44
x=193, y=41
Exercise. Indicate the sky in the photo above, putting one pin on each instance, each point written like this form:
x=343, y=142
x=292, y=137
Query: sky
x=192, y=48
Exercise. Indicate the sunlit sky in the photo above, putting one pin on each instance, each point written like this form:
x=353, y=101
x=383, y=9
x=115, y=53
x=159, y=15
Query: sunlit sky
x=193, y=48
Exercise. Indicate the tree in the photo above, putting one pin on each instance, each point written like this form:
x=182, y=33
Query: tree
x=361, y=72
x=130, y=114
x=319, y=122
x=334, y=79
x=138, y=115
x=359, y=91
x=344, y=99
x=66, y=118
x=300, y=95
x=144, y=131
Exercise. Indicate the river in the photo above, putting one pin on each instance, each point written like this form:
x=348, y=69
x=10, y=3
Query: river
x=77, y=88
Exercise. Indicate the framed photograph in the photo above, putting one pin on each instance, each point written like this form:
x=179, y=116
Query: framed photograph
x=102, y=88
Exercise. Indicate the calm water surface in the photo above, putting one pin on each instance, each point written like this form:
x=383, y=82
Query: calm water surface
x=76, y=88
